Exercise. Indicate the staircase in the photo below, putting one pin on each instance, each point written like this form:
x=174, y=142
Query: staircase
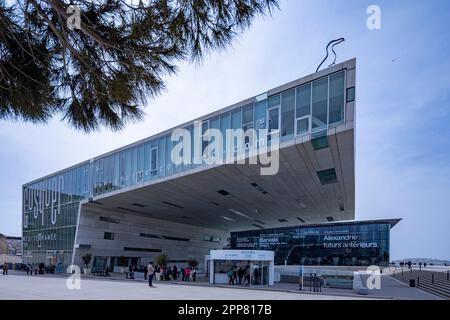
x=437, y=283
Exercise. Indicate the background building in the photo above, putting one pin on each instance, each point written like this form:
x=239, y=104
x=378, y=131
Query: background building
x=10, y=250
x=135, y=202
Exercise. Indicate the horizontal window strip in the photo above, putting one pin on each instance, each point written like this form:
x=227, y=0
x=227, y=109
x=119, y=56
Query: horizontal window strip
x=154, y=236
x=107, y=219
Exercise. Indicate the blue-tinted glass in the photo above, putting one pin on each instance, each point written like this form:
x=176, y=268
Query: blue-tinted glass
x=162, y=157
x=169, y=163
x=303, y=102
x=133, y=166
x=247, y=117
x=224, y=125
x=147, y=148
x=273, y=101
x=140, y=163
x=337, y=97
x=319, y=104
x=287, y=113
x=236, y=122
x=214, y=124
x=260, y=114
x=154, y=161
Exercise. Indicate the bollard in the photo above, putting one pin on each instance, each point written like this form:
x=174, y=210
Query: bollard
x=432, y=278
x=417, y=281
x=447, y=275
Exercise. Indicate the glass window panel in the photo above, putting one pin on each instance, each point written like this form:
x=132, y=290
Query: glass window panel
x=337, y=97
x=154, y=161
x=287, y=113
x=274, y=101
x=133, y=166
x=127, y=168
x=247, y=117
x=140, y=162
x=236, y=122
x=302, y=125
x=224, y=125
x=111, y=172
x=147, y=156
x=260, y=114
x=205, y=126
x=122, y=165
x=273, y=119
x=215, y=124
x=319, y=104
x=116, y=170
x=105, y=174
x=169, y=164
x=260, y=119
x=303, y=103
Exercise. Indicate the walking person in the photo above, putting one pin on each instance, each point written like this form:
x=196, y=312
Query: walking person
x=106, y=272
x=131, y=271
x=145, y=273
x=182, y=274
x=187, y=272
x=247, y=274
x=230, y=277
x=240, y=275
x=5, y=269
x=194, y=275
x=151, y=273
x=256, y=275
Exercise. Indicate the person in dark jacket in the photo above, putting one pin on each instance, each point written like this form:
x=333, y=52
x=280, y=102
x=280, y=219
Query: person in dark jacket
x=5, y=269
x=174, y=272
x=145, y=272
x=131, y=271
x=106, y=272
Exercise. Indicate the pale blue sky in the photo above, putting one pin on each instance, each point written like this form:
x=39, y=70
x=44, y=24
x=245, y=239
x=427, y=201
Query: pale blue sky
x=402, y=116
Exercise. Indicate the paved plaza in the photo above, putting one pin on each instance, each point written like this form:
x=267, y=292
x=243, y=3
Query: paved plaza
x=20, y=286
x=37, y=288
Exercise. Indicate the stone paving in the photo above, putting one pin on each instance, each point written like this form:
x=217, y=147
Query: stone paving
x=19, y=286
x=37, y=288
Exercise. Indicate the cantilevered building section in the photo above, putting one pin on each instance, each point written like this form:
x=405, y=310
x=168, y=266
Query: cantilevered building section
x=135, y=202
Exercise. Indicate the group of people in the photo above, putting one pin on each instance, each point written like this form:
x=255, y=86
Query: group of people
x=36, y=269
x=168, y=273
x=242, y=275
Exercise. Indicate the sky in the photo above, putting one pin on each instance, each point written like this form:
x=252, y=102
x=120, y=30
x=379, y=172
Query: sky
x=402, y=110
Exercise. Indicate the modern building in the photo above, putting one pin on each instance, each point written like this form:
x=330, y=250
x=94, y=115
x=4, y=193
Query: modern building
x=344, y=243
x=139, y=201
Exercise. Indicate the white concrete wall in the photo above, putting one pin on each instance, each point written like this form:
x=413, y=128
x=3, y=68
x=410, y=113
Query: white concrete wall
x=127, y=234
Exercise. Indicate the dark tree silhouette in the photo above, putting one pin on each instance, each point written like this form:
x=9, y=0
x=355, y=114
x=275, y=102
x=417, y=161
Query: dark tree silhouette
x=102, y=73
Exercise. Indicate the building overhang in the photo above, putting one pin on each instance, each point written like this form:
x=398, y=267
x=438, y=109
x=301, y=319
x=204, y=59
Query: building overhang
x=236, y=197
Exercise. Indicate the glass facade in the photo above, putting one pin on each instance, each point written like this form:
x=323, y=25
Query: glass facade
x=352, y=244
x=50, y=205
